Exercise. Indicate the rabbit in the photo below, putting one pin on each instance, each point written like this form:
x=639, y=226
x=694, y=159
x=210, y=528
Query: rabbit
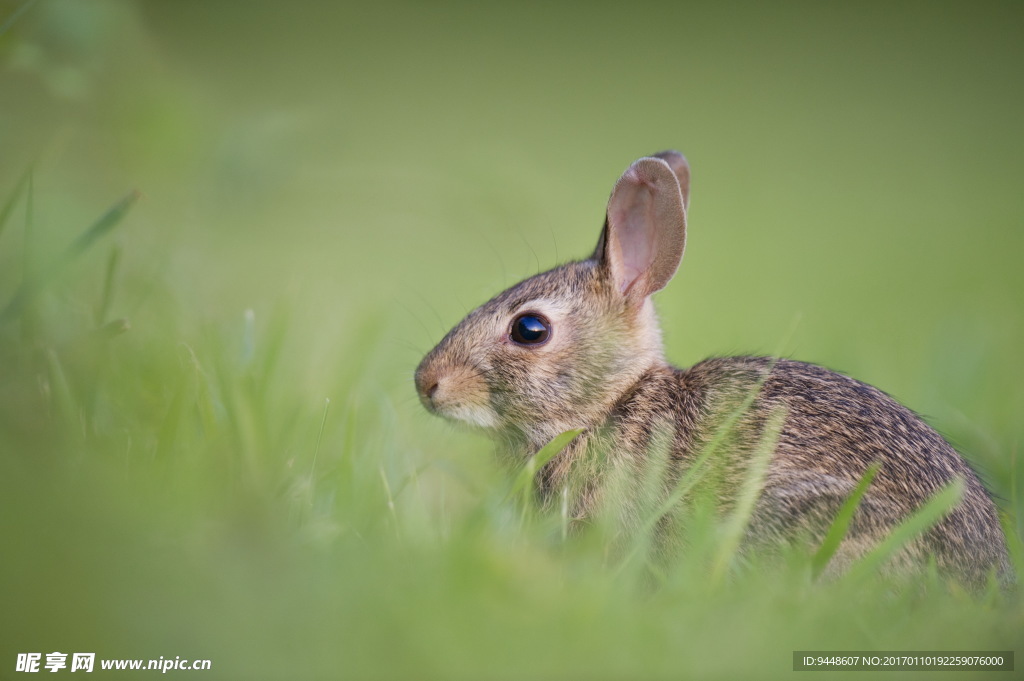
x=579, y=347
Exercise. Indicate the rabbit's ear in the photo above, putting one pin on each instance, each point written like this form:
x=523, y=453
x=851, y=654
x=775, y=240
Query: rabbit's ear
x=645, y=229
x=677, y=162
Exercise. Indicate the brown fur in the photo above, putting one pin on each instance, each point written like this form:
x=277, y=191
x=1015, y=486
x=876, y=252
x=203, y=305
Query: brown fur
x=602, y=369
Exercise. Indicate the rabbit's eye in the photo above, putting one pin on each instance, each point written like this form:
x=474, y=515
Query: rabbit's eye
x=530, y=329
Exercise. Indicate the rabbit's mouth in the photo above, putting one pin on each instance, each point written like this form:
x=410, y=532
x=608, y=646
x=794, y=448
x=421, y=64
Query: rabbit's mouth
x=480, y=416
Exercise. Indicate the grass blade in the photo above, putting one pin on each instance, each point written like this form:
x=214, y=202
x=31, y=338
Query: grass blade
x=316, y=450
x=12, y=200
x=837, y=531
x=926, y=516
x=108, y=287
x=391, y=502
x=695, y=471
x=65, y=406
x=749, y=493
x=524, y=480
x=13, y=17
x=107, y=222
x=33, y=283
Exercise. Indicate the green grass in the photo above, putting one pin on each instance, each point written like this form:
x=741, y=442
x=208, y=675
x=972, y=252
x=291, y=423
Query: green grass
x=170, y=492
x=210, y=445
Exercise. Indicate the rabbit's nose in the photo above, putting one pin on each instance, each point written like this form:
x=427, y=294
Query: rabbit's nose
x=429, y=392
x=426, y=384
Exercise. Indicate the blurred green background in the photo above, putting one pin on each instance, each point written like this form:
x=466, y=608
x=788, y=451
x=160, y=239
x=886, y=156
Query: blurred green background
x=328, y=187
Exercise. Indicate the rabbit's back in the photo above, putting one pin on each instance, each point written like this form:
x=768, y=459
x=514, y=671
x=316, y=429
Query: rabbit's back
x=833, y=428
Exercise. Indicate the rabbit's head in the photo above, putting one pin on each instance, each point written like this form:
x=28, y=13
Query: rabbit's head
x=558, y=350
